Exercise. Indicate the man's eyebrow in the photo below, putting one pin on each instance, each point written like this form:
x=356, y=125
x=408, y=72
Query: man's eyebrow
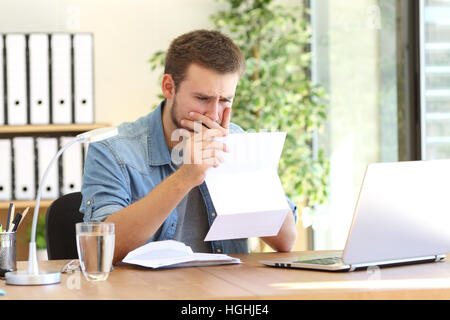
x=203, y=95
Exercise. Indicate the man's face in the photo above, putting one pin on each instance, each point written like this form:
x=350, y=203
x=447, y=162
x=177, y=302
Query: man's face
x=203, y=91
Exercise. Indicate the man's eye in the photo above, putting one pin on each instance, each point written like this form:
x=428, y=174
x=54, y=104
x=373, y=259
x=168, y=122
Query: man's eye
x=202, y=98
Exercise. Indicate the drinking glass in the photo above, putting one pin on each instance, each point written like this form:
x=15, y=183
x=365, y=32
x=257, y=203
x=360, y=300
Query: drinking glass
x=95, y=245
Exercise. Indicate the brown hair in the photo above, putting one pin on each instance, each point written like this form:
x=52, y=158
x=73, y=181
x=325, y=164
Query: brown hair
x=210, y=49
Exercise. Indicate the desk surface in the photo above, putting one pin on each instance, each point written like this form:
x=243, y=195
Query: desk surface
x=249, y=280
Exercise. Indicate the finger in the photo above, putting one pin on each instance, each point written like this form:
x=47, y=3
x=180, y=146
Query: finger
x=194, y=126
x=203, y=134
x=206, y=121
x=211, y=162
x=211, y=153
x=215, y=145
x=213, y=133
x=226, y=118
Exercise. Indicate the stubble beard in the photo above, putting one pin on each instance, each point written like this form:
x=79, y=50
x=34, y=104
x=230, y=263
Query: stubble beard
x=174, y=115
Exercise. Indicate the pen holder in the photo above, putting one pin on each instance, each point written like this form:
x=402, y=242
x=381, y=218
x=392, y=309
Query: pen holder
x=7, y=252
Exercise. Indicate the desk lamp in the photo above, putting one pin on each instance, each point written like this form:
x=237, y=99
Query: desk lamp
x=33, y=276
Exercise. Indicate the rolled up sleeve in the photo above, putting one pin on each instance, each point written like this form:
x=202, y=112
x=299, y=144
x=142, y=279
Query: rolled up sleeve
x=106, y=186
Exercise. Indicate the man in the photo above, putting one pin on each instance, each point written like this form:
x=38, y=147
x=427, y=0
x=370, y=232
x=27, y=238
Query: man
x=131, y=179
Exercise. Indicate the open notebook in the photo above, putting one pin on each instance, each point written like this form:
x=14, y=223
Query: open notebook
x=171, y=254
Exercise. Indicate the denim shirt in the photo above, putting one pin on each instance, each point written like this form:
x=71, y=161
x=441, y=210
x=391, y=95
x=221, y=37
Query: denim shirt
x=123, y=169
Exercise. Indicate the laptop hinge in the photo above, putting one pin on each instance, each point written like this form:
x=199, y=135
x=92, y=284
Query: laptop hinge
x=436, y=259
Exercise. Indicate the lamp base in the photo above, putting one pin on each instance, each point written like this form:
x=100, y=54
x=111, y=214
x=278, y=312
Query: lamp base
x=23, y=278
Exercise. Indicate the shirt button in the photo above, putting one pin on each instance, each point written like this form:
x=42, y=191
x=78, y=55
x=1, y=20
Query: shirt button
x=89, y=202
x=213, y=214
x=218, y=250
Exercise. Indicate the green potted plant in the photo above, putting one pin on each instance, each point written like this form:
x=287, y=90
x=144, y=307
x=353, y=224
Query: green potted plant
x=276, y=92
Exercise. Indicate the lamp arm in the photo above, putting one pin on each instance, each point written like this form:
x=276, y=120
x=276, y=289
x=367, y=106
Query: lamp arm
x=42, y=183
x=32, y=259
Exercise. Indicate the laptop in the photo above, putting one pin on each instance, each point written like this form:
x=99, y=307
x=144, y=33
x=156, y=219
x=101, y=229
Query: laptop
x=402, y=216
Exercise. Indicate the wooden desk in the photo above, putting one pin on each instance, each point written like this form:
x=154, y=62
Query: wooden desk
x=249, y=280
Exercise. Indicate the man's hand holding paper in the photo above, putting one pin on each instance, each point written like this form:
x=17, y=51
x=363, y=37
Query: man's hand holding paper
x=243, y=184
x=200, y=149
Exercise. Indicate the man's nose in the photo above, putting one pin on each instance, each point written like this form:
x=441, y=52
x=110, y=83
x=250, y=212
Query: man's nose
x=213, y=111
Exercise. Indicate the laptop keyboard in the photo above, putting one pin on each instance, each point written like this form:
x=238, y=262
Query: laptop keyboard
x=323, y=261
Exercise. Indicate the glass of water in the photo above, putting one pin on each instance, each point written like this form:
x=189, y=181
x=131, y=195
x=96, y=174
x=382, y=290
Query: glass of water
x=95, y=244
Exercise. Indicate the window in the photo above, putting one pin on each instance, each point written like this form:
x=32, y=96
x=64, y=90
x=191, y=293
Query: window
x=354, y=58
x=435, y=78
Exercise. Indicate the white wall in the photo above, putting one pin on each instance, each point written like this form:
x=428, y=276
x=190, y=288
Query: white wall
x=126, y=34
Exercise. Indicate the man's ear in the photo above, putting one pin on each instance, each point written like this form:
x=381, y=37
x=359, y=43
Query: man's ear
x=168, y=86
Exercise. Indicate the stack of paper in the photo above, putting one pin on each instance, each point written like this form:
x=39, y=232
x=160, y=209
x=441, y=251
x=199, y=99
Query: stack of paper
x=171, y=253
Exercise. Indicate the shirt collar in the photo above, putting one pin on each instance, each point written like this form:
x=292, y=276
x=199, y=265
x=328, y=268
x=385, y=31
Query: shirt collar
x=158, y=151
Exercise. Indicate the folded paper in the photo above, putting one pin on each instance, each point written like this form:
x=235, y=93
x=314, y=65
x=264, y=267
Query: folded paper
x=246, y=190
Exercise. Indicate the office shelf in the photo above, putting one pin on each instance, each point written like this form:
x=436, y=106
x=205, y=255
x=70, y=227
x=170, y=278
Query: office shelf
x=22, y=204
x=55, y=130
x=48, y=129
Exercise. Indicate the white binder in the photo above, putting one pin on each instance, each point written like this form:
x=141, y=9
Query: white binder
x=39, y=79
x=83, y=78
x=24, y=179
x=72, y=167
x=6, y=170
x=61, y=78
x=2, y=101
x=46, y=150
x=16, y=79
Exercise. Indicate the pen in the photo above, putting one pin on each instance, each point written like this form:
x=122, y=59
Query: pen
x=12, y=218
x=15, y=223
x=23, y=216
